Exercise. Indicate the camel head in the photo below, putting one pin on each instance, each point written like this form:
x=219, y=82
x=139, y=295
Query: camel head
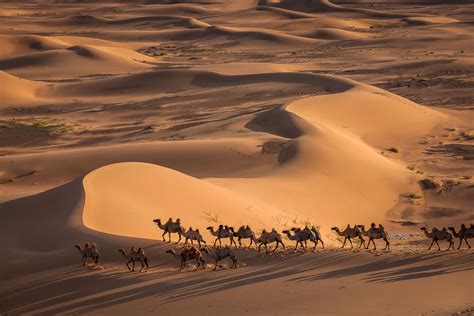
x=122, y=251
x=463, y=226
x=77, y=246
x=210, y=228
x=335, y=229
x=286, y=231
x=452, y=228
x=178, y=220
x=157, y=221
x=423, y=228
x=363, y=227
x=221, y=226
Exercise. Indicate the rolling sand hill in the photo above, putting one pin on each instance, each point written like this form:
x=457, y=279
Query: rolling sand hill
x=273, y=114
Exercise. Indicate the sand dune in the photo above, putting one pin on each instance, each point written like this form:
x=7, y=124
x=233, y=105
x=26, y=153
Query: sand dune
x=92, y=60
x=17, y=91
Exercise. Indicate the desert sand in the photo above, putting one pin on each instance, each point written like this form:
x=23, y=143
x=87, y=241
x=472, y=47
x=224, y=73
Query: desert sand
x=273, y=114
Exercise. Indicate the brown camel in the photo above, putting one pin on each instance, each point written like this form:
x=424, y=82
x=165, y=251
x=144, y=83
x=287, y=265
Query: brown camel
x=375, y=233
x=170, y=227
x=89, y=251
x=464, y=234
x=221, y=253
x=189, y=253
x=437, y=234
x=350, y=233
x=135, y=255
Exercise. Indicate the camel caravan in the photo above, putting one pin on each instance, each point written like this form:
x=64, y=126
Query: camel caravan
x=301, y=236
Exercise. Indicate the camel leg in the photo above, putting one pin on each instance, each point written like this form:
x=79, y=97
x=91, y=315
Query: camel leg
x=179, y=235
x=215, y=241
x=373, y=242
x=451, y=244
x=275, y=247
x=232, y=241
x=350, y=241
x=431, y=244
x=163, y=236
x=460, y=242
x=322, y=243
x=362, y=242
x=198, y=262
x=387, y=244
x=465, y=239
x=215, y=265
x=344, y=243
x=258, y=247
x=169, y=237
x=368, y=244
x=141, y=262
x=438, y=245
x=240, y=242
x=266, y=248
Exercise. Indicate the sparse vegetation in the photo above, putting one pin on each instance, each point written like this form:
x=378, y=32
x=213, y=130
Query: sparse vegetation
x=394, y=149
x=211, y=216
x=411, y=167
x=51, y=127
x=428, y=184
x=414, y=195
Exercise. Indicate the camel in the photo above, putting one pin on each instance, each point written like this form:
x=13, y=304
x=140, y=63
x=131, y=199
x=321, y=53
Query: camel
x=187, y=254
x=193, y=235
x=375, y=233
x=222, y=232
x=135, y=255
x=268, y=238
x=437, y=234
x=245, y=232
x=219, y=254
x=463, y=234
x=170, y=227
x=350, y=233
x=316, y=236
x=299, y=236
x=89, y=251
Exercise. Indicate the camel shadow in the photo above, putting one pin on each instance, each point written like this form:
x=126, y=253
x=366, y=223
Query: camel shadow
x=75, y=291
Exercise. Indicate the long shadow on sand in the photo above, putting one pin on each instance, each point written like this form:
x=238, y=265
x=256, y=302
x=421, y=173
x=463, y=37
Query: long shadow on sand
x=75, y=291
